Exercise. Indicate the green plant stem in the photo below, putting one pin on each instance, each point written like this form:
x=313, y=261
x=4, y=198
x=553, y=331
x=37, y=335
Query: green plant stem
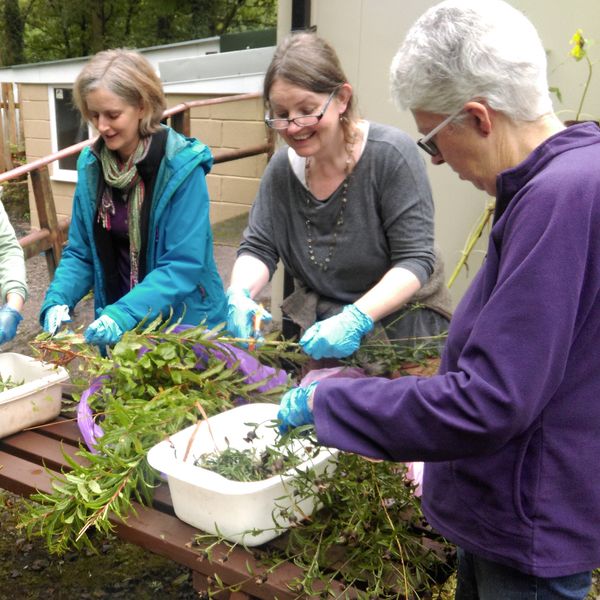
x=471, y=241
x=585, y=87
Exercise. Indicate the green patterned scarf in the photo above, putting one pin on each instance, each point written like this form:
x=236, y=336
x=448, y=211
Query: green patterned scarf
x=125, y=177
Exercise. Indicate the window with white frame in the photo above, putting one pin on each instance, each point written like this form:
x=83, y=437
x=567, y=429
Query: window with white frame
x=67, y=128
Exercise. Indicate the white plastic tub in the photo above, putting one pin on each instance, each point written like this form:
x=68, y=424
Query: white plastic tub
x=34, y=402
x=233, y=509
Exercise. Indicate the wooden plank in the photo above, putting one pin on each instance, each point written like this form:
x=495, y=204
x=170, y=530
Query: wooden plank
x=155, y=529
x=40, y=449
x=22, y=477
x=5, y=162
x=202, y=584
x=172, y=538
x=21, y=119
x=11, y=114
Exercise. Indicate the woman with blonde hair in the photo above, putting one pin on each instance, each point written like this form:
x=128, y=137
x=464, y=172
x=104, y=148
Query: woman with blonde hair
x=140, y=234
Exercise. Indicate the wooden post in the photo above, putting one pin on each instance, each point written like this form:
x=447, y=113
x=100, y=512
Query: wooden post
x=11, y=112
x=5, y=158
x=20, y=121
x=44, y=202
x=4, y=166
x=181, y=122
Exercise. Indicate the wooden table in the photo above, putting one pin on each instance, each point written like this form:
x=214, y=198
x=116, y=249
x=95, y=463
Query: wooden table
x=22, y=460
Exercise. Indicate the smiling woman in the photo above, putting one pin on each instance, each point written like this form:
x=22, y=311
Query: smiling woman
x=116, y=121
x=140, y=233
x=347, y=208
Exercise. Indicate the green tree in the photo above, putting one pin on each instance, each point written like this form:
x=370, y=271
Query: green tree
x=58, y=29
x=11, y=30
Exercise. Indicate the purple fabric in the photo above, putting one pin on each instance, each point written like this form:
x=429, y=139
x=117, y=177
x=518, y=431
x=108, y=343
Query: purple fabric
x=509, y=426
x=251, y=367
x=320, y=374
x=253, y=370
x=120, y=237
x=90, y=430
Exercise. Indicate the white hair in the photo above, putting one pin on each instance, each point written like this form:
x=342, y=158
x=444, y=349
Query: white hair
x=460, y=50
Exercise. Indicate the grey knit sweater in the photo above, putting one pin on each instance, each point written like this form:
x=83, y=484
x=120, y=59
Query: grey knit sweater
x=388, y=220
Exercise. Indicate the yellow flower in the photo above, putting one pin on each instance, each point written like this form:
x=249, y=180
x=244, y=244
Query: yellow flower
x=578, y=42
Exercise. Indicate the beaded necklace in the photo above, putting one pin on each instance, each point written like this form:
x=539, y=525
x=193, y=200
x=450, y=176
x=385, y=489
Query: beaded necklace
x=339, y=220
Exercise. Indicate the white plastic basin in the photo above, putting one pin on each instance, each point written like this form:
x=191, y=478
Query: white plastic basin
x=37, y=400
x=246, y=512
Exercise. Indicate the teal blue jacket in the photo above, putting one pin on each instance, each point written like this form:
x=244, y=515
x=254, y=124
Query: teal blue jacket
x=181, y=274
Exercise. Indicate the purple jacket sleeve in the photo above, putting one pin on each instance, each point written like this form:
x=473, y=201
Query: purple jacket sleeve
x=514, y=345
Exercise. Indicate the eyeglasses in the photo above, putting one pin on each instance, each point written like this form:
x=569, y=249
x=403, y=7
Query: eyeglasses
x=304, y=121
x=426, y=143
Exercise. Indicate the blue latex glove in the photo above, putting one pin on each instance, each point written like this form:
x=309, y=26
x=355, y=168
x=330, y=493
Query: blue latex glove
x=9, y=321
x=55, y=316
x=338, y=336
x=293, y=408
x=240, y=314
x=103, y=331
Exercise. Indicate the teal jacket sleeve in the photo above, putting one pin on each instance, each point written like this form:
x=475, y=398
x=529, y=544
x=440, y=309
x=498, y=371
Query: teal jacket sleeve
x=74, y=277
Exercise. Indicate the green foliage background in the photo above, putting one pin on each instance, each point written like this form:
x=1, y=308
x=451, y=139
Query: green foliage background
x=42, y=30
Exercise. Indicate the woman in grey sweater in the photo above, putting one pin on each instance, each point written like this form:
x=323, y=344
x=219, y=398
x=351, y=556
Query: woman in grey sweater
x=346, y=207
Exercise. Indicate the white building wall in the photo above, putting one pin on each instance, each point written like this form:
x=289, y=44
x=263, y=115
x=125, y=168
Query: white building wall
x=366, y=34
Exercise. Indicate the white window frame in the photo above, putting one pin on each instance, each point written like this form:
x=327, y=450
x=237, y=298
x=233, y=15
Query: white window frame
x=59, y=174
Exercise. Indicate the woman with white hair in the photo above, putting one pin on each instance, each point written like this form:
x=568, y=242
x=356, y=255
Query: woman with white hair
x=509, y=426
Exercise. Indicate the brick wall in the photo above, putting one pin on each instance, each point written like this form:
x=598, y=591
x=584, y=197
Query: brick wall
x=232, y=185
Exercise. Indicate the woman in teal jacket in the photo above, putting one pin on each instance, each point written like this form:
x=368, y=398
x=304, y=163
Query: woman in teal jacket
x=140, y=234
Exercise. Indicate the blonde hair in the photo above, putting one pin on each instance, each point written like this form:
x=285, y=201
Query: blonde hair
x=128, y=75
x=308, y=61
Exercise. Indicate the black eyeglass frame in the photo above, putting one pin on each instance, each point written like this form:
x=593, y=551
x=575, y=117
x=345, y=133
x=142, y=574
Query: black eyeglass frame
x=427, y=144
x=301, y=121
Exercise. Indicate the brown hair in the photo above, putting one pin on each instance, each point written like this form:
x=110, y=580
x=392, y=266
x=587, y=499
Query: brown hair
x=128, y=75
x=308, y=61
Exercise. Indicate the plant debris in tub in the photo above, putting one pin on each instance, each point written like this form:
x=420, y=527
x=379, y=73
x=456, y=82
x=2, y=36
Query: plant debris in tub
x=9, y=384
x=252, y=464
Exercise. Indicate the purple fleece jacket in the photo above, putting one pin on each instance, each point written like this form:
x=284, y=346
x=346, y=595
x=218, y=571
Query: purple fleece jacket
x=510, y=427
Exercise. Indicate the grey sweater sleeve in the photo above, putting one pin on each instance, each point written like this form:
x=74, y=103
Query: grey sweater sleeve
x=406, y=205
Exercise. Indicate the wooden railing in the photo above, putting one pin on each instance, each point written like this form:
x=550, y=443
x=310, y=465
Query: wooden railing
x=11, y=125
x=52, y=235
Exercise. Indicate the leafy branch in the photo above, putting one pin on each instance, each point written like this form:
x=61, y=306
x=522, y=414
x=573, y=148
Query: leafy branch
x=471, y=241
x=369, y=536
x=152, y=389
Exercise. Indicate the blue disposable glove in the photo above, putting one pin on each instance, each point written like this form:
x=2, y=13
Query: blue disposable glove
x=9, y=321
x=103, y=331
x=293, y=408
x=338, y=336
x=240, y=314
x=55, y=316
